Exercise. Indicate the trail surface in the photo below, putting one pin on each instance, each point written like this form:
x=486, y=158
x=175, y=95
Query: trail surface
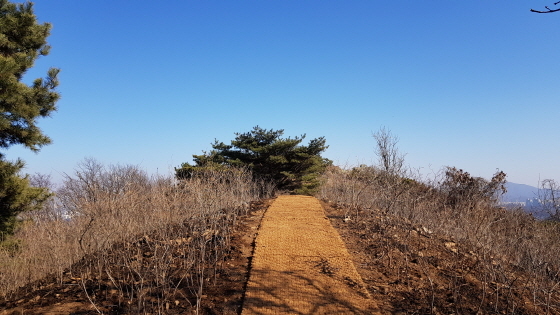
x=301, y=266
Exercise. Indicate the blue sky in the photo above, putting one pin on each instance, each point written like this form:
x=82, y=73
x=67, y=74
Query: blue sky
x=468, y=84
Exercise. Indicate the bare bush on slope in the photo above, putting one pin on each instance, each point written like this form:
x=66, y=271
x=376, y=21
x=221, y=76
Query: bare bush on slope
x=138, y=243
x=452, y=238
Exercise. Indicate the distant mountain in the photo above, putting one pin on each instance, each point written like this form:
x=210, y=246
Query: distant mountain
x=520, y=192
x=526, y=197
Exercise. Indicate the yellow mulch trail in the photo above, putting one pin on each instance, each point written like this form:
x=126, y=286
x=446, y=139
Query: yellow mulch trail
x=301, y=266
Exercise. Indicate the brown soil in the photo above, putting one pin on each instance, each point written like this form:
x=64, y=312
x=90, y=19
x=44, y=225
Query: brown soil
x=225, y=296
x=301, y=266
x=410, y=270
x=407, y=269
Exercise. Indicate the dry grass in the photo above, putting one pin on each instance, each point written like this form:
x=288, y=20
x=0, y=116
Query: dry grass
x=149, y=244
x=465, y=210
x=161, y=237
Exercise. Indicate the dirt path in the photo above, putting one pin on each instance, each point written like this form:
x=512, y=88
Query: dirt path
x=301, y=266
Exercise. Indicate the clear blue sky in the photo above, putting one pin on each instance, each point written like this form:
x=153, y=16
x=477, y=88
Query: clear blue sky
x=471, y=84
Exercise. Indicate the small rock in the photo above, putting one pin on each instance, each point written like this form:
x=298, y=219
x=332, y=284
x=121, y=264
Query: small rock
x=451, y=246
x=426, y=230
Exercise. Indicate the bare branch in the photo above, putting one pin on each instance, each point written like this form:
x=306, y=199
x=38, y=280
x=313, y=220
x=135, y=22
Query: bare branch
x=390, y=159
x=548, y=10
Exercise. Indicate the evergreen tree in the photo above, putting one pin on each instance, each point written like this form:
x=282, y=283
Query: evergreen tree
x=284, y=161
x=22, y=41
x=16, y=195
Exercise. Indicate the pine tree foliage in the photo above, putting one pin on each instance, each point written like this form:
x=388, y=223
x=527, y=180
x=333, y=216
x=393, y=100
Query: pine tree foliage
x=284, y=161
x=16, y=195
x=22, y=41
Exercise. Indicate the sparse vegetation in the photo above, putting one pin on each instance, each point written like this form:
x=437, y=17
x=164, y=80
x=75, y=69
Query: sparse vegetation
x=139, y=243
x=510, y=254
x=549, y=199
x=130, y=243
x=118, y=241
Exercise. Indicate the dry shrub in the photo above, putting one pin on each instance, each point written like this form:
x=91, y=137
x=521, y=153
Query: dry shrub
x=464, y=209
x=161, y=236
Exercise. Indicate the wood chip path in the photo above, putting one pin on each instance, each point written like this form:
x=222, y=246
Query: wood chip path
x=301, y=266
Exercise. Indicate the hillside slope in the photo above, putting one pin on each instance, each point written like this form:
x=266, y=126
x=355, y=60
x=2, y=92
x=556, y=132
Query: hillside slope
x=407, y=270
x=411, y=270
x=519, y=192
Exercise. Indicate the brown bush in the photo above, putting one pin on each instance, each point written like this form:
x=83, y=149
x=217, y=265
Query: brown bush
x=466, y=210
x=161, y=236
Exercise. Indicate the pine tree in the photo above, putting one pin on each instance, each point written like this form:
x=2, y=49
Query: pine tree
x=284, y=161
x=22, y=41
x=16, y=195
